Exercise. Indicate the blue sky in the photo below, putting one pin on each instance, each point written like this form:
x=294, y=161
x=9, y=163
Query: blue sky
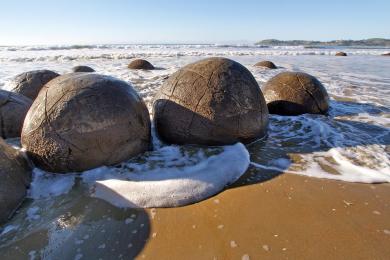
x=173, y=21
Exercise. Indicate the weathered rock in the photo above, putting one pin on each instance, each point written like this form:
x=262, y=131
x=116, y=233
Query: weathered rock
x=295, y=93
x=140, y=64
x=30, y=83
x=82, y=69
x=266, y=64
x=211, y=102
x=81, y=121
x=340, y=53
x=15, y=176
x=13, y=110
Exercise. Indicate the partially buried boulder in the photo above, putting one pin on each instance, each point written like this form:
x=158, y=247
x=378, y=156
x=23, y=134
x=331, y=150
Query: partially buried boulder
x=15, y=175
x=295, y=93
x=88, y=120
x=340, y=53
x=140, y=64
x=82, y=69
x=30, y=83
x=13, y=110
x=266, y=64
x=214, y=101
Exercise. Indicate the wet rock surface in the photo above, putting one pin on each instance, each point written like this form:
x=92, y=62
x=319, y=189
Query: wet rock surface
x=13, y=110
x=81, y=121
x=15, y=177
x=211, y=102
x=30, y=83
x=82, y=68
x=266, y=64
x=140, y=64
x=295, y=93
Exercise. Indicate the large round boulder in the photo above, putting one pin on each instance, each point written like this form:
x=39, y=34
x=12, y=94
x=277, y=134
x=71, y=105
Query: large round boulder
x=214, y=101
x=341, y=53
x=15, y=176
x=13, y=110
x=30, y=83
x=140, y=64
x=266, y=64
x=81, y=121
x=82, y=68
x=295, y=93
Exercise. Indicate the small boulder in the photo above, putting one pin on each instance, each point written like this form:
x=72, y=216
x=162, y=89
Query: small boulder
x=386, y=54
x=13, y=110
x=15, y=175
x=266, y=64
x=295, y=93
x=82, y=69
x=214, y=101
x=88, y=120
x=140, y=64
x=340, y=53
x=30, y=83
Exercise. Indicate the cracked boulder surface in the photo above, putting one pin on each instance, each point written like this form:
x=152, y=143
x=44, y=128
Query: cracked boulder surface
x=15, y=175
x=266, y=64
x=140, y=64
x=80, y=121
x=295, y=93
x=215, y=101
x=13, y=110
x=30, y=83
x=82, y=68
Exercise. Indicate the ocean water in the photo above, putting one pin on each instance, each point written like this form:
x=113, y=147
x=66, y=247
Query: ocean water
x=349, y=144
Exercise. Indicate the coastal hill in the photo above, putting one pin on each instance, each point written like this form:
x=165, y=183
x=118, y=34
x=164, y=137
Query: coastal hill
x=368, y=42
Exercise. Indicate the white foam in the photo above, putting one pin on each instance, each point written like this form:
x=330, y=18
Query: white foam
x=171, y=186
x=49, y=185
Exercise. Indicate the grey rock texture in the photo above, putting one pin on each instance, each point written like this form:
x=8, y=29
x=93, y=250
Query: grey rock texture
x=81, y=121
x=30, y=83
x=266, y=64
x=140, y=64
x=82, y=69
x=15, y=175
x=13, y=110
x=214, y=101
x=295, y=93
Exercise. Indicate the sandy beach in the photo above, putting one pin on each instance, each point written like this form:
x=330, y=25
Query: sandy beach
x=287, y=217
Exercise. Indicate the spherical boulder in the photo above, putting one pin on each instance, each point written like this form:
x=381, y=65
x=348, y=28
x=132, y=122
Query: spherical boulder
x=295, y=93
x=214, y=101
x=15, y=176
x=13, y=110
x=81, y=121
x=140, y=64
x=266, y=64
x=340, y=53
x=30, y=83
x=82, y=69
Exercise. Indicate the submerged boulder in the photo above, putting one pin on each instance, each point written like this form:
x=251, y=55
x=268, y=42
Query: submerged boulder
x=386, y=54
x=140, y=64
x=266, y=64
x=82, y=69
x=214, y=101
x=340, y=53
x=295, y=93
x=13, y=110
x=88, y=120
x=30, y=83
x=15, y=176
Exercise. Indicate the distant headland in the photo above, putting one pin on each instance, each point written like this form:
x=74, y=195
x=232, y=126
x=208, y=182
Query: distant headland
x=367, y=42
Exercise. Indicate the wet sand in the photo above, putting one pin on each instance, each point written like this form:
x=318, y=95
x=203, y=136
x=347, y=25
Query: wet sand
x=287, y=217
